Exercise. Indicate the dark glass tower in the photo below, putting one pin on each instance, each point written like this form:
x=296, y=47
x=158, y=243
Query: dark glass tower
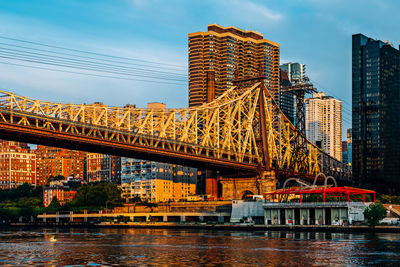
x=376, y=114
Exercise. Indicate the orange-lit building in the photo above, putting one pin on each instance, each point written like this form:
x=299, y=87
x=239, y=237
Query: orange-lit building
x=221, y=54
x=101, y=167
x=52, y=161
x=64, y=194
x=17, y=165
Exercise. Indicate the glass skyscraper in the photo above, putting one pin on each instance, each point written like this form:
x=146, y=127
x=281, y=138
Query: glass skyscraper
x=376, y=114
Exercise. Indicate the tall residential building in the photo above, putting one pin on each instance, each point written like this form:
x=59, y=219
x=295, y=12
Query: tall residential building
x=376, y=113
x=324, y=123
x=221, y=53
x=295, y=72
x=17, y=165
x=52, y=161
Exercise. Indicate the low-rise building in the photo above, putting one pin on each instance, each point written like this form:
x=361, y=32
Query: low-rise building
x=63, y=193
x=311, y=206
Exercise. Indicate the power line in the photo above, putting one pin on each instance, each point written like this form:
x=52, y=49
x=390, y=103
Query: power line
x=91, y=53
x=102, y=60
x=90, y=67
x=87, y=74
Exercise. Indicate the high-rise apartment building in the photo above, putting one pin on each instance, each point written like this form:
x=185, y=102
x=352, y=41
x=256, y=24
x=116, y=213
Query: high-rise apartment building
x=376, y=113
x=295, y=72
x=324, y=123
x=52, y=161
x=221, y=54
x=17, y=165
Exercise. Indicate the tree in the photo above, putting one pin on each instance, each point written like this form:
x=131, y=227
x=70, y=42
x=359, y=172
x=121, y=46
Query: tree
x=55, y=204
x=374, y=213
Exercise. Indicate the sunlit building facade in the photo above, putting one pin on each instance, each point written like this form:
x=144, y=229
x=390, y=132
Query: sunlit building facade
x=17, y=165
x=324, y=123
x=52, y=161
x=221, y=54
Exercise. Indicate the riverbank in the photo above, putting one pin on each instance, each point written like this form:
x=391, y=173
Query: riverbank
x=222, y=227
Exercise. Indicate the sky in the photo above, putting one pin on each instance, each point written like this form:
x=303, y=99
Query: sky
x=315, y=33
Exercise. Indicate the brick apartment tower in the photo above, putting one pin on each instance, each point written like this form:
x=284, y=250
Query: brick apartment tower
x=216, y=56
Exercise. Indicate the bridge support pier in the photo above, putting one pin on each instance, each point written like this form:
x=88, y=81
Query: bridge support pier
x=237, y=188
x=211, y=184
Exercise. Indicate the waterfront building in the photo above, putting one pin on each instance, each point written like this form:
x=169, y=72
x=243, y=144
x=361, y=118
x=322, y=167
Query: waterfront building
x=155, y=181
x=375, y=114
x=17, y=165
x=52, y=161
x=342, y=208
x=222, y=54
x=324, y=123
x=63, y=193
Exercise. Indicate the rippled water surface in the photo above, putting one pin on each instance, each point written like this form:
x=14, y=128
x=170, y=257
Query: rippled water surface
x=143, y=247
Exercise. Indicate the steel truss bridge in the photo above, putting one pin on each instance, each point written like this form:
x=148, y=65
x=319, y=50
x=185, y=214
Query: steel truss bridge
x=242, y=133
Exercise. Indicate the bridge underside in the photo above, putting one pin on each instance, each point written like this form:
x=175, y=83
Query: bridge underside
x=48, y=137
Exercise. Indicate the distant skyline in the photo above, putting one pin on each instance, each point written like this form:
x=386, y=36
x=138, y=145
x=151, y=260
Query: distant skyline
x=315, y=33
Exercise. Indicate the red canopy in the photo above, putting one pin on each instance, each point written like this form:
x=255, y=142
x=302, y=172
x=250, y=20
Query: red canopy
x=325, y=191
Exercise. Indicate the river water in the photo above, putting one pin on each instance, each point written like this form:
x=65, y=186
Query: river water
x=158, y=247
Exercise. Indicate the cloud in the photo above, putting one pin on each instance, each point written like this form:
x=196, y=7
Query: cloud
x=253, y=11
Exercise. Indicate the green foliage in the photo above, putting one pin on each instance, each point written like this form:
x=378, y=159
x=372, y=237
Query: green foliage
x=389, y=199
x=54, y=204
x=374, y=213
x=98, y=194
x=24, y=190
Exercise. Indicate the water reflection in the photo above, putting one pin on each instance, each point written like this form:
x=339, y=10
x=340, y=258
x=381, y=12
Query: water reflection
x=134, y=247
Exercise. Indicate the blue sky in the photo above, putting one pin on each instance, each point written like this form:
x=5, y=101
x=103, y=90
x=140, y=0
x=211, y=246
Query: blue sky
x=316, y=33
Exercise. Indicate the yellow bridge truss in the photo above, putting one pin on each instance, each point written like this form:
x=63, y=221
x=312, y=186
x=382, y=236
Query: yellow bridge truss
x=228, y=129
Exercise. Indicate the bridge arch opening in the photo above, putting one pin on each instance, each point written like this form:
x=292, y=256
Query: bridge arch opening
x=246, y=195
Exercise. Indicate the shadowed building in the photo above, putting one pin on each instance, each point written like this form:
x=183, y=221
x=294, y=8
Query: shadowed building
x=222, y=54
x=376, y=114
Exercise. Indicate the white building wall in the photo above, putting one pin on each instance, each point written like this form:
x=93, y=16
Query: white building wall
x=324, y=123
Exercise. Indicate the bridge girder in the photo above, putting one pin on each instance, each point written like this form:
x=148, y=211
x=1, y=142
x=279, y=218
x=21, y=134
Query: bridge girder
x=223, y=135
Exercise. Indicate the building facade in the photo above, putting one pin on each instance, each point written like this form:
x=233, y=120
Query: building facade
x=63, y=194
x=324, y=123
x=295, y=73
x=155, y=181
x=222, y=54
x=376, y=114
x=349, y=148
x=345, y=152
x=52, y=161
x=17, y=165
x=102, y=167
